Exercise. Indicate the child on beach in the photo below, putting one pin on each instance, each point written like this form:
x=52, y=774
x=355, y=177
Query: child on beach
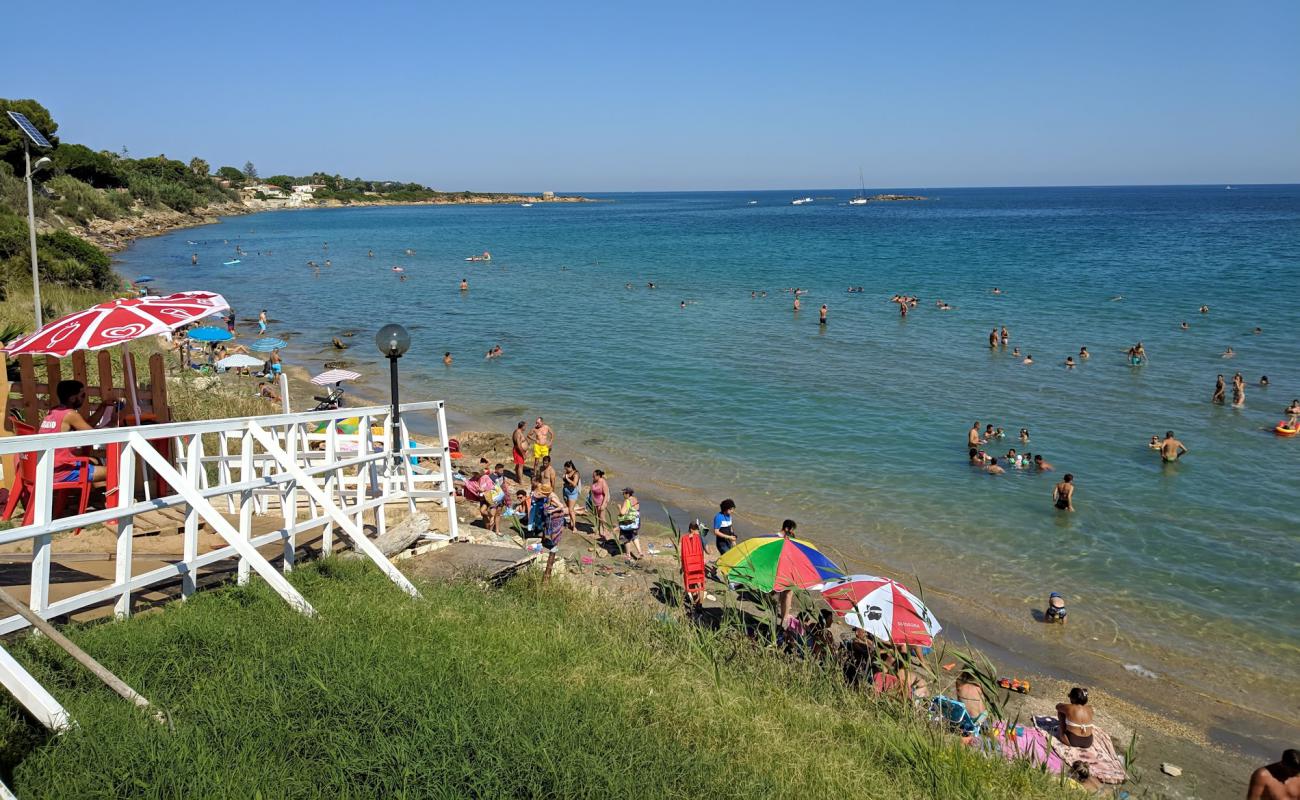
x=1055, y=611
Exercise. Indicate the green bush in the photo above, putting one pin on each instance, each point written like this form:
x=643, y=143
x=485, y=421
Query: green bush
x=97, y=169
x=81, y=201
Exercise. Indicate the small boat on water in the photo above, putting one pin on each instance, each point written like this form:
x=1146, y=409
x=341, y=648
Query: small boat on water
x=861, y=198
x=526, y=205
x=485, y=257
x=801, y=201
x=753, y=202
x=230, y=263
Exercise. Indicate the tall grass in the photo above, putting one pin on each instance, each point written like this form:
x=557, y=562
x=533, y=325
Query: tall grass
x=520, y=692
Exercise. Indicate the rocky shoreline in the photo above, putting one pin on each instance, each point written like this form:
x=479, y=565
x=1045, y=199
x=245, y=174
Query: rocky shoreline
x=117, y=234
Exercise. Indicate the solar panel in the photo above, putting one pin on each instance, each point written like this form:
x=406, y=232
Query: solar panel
x=36, y=137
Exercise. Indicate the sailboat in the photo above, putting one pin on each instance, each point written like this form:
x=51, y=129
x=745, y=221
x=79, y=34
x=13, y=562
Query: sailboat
x=861, y=199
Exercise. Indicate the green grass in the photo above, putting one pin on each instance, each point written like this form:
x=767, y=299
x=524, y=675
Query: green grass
x=519, y=692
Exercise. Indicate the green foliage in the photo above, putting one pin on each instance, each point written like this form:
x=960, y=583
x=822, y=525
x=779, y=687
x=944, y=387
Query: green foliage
x=199, y=167
x=285, y=182
x=250, y=171
x=100, y=170
x=523, y=692
x=231, y=174
x=11, y=139
x=80, y=201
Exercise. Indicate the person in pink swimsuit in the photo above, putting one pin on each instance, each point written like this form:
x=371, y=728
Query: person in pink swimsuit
x=599, y=500
x=65, y=417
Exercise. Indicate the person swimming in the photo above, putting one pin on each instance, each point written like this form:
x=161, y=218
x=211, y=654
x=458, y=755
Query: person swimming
x=1069, y=362
x=1154, y=444
x=1229, y=353
x=1083, y=354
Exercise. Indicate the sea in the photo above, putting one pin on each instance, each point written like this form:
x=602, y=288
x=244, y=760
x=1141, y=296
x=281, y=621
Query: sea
x=709, y=385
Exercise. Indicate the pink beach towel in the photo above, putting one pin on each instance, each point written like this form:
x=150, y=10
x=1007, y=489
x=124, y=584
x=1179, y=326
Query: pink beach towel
x=1031, y=744
x=1103, y=762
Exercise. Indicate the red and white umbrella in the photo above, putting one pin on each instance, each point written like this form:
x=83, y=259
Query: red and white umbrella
x=118, y=322
x=334, y=376
x=881, y=607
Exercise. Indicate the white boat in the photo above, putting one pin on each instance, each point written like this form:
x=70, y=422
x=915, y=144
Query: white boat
x=801, y=201
x=753, y=202
x=526, y=205
x=861, y=199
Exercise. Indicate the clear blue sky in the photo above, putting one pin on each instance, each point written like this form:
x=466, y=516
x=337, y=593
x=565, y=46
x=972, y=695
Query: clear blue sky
x=613, y=96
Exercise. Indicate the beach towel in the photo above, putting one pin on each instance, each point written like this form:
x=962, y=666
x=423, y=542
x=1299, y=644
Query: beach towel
x=1030, y=744
x=1103, y=762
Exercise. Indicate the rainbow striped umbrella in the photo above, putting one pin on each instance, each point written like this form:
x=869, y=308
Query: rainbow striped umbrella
x=775, y=563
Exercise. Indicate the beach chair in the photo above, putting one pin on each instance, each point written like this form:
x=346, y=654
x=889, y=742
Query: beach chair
x=25, y=489
x=956, y=715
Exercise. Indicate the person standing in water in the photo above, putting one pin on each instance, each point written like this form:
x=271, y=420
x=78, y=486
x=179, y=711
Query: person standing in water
x=796, y=302
x=993, y=339
x=821, y=315
x=1171, y=449
x=261, y=322
x=1219, y=391
x=1238, y=390
x=1006, y=336
x=1063, y=493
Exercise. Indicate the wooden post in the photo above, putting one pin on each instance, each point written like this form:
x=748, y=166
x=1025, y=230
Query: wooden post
x=80, y=656
x=105, y=377
x=54, y=374
x=31, y=411
x=79, y=367
x=158, y=388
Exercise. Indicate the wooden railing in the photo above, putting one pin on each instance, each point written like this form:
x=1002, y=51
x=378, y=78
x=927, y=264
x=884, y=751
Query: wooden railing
x=323, y=471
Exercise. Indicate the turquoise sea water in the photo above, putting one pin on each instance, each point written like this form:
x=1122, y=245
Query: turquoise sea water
x=858, y=430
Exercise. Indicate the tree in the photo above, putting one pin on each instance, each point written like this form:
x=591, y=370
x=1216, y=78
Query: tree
x=283, y=181
x=86, y=165
x=231, y=174
x=199, y=167
x=11, y=139
x=250, y=171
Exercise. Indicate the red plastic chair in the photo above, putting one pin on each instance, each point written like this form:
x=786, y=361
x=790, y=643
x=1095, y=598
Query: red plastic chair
x=692, y=552
x=25, y=488
x=16, y=488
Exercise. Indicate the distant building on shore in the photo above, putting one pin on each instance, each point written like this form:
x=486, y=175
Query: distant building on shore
x=548, y=195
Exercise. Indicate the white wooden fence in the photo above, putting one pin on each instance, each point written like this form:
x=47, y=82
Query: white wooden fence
x=318, y=473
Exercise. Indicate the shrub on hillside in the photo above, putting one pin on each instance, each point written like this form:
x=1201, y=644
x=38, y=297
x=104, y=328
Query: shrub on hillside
x=81, y=201
x=97, y=169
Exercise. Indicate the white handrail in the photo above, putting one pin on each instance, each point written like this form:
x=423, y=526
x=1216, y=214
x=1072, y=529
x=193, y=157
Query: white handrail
x=276, y=463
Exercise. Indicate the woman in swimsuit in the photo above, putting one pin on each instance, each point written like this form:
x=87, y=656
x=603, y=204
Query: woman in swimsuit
x=572, y=488
x=599, y=500
x=1075, y=718
x=971, y=695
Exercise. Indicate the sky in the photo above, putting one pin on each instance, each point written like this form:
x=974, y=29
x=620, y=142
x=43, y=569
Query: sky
x=666, y=96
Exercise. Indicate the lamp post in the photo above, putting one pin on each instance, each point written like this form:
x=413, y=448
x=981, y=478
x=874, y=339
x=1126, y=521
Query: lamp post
x=32, y=169
x=393, y=341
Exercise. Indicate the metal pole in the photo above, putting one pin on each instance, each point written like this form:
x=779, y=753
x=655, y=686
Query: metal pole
x=31, y=232
x=397, y=419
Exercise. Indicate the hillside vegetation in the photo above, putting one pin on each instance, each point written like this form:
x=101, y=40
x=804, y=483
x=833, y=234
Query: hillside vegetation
x=527, y=691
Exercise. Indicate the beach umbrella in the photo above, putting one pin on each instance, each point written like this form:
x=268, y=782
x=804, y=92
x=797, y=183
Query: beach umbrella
x=117, y=322
x=239, y=360
x=883, y=608
x=334, y=376
x=775, y=563
x=267, y=344
x=210, y=334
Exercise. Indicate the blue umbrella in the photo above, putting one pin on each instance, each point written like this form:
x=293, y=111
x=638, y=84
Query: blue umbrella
x=267, y=344
x=144, y=279
x=210, y=334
